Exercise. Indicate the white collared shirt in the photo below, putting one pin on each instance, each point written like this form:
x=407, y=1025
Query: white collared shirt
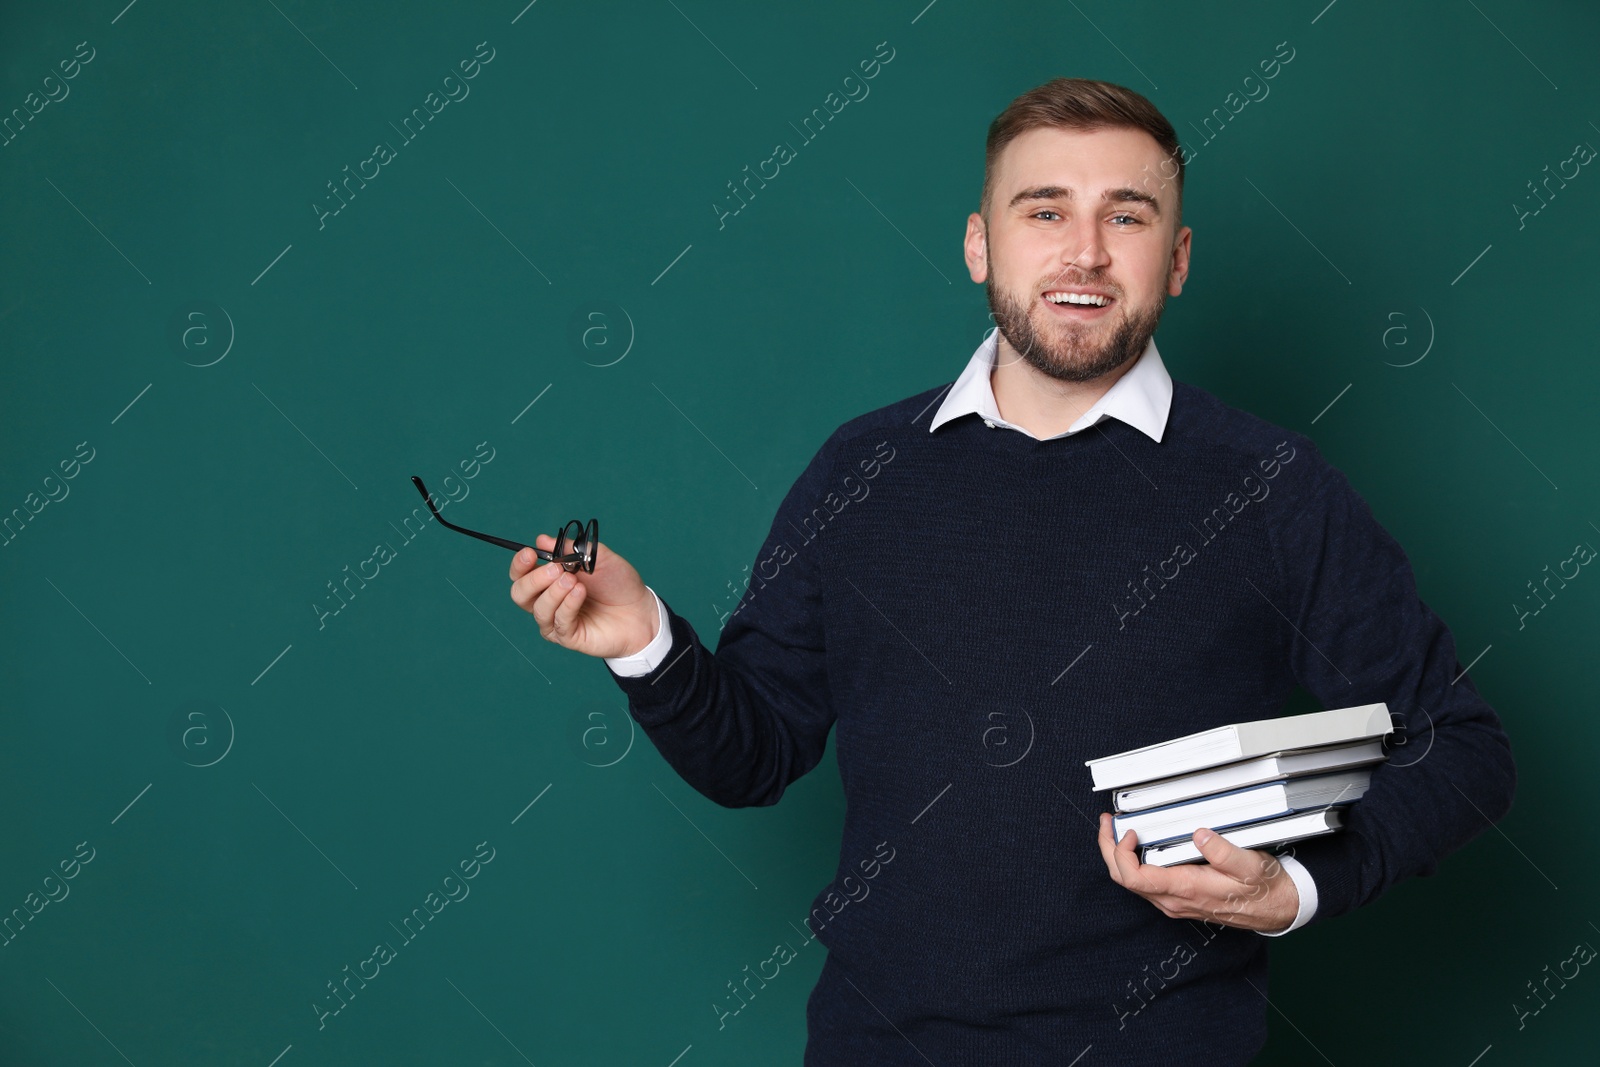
x=1142, y=398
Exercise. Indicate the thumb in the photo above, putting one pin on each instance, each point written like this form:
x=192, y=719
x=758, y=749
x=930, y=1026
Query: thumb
x=1224, y=855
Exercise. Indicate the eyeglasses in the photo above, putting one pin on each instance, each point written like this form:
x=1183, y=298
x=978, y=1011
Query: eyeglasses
x=581, y=554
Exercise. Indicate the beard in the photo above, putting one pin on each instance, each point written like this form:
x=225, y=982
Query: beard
x=1063, y=350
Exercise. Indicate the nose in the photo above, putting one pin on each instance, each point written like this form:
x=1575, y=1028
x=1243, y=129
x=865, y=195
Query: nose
x=1084, y=246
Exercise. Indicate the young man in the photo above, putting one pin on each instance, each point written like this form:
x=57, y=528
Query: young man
x=1060, y=555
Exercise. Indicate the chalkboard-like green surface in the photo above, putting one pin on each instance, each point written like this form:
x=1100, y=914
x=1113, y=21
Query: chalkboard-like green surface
x=288, y=778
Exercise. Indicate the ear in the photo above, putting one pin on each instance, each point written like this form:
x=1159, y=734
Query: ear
x=1180, y=261
x=975, y=248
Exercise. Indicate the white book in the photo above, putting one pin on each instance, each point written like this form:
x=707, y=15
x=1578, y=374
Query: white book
x=1239, y=741
x=1220, y=811
x=1254, y=835
x=1279, y=765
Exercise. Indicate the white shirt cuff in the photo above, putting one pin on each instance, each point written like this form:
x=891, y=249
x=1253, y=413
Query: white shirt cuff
x=648, y=658
x=1308, y=895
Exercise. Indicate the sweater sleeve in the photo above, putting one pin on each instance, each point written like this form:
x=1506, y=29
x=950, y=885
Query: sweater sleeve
x=1360, y=634
x=741, y=724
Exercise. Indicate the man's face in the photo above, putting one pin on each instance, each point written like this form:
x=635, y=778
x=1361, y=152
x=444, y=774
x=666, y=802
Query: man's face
x=1051, y=231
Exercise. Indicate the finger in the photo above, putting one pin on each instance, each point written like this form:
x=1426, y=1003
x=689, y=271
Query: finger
x=527, y=589
x=1106, y=848
x=524, y=560
x=1135, y=875
x=549, y=601
x=1159, y=885
x=1226, y=857
x=566, y=617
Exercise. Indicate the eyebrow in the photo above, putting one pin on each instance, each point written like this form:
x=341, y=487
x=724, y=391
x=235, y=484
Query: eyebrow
x=1123, y=195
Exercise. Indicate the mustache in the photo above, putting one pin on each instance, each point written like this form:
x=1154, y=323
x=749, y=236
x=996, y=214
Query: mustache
x=1059, y=280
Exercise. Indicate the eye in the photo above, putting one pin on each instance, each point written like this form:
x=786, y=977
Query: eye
x=1131, y=218
x=1046, y=211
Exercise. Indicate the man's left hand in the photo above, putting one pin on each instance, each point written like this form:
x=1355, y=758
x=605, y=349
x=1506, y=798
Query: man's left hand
x=1247, y=888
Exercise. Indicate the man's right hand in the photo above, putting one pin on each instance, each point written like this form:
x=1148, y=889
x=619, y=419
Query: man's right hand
x=607, y=614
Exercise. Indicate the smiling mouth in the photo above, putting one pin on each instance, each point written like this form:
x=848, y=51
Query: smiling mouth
x=1078, y=305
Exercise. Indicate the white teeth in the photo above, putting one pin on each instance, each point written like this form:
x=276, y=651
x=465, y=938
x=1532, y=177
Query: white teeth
x=1077, y=298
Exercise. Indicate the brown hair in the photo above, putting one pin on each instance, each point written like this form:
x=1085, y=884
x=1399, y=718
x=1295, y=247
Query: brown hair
x=1080, y=104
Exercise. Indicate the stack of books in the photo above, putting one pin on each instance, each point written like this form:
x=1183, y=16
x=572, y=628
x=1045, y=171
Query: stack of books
x=1257, y=784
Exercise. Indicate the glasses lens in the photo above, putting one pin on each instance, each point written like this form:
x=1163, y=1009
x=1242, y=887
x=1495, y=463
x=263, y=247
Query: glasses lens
x=590, y=544
x=565, y=553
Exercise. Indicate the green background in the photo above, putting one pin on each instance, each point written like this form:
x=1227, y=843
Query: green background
x=1361, y=216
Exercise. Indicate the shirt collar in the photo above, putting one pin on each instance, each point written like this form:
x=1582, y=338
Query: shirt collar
x=1142, y=397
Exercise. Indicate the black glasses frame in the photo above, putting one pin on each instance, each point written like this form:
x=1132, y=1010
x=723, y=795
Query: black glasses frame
x=584, y=538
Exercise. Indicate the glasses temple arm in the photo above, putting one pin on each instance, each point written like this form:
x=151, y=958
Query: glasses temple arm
x=514, y=546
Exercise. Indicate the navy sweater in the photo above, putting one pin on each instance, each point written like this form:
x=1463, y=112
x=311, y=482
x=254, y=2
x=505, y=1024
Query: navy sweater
x=978, y=613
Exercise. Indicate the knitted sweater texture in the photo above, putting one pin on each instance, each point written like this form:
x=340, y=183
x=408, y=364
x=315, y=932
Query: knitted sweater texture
x=976, y=613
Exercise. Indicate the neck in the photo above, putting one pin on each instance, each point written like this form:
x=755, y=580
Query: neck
x=1040, y=404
